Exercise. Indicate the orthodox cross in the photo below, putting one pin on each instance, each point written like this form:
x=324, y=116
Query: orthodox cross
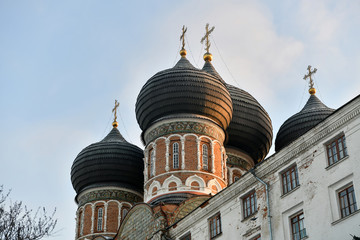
x=206, y=37
x=182, y=37
x=115, y=109
x=311, y=83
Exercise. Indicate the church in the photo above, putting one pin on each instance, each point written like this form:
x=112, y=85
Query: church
x=204, y=172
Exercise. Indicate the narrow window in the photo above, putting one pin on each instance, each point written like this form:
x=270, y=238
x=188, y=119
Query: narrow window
x=175, y=155
x=249, y=204
x=215, y=226
x=186, y=237
x=347, y=201
x=152, y=163
x=100, y=219
x=290, y=179
x=205, y=156
x=336, y=150
x=124, y=212
x=297, y=227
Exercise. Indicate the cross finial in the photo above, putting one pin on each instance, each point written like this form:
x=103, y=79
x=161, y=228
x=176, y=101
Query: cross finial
x=115, y=124
x=207, y=55
x=182, y=38
x=311, y=82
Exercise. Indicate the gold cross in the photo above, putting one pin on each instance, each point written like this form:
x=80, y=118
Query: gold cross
x=115, y=109
x=311, y=83
x=206, y=37
x=182, y=37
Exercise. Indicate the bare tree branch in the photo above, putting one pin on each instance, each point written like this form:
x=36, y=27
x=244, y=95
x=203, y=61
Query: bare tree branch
x=17, y=222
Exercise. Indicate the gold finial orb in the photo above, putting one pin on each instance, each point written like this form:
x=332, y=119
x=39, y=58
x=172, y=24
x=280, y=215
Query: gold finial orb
x=115, y=124
x=312, y=91
x=208, y=57
x=183, y=52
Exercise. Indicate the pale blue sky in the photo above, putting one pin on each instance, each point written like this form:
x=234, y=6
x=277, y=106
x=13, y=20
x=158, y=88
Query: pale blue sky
x=62, y=64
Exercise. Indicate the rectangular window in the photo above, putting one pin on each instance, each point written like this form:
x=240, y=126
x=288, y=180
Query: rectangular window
x=175, y=155
x=290, y=179
x=249, y=204
x=258, y=237
x=186, y=237
x=297, y=227
x=100, y=219
x=336, y=150
x=215, y=226
x=347, y=201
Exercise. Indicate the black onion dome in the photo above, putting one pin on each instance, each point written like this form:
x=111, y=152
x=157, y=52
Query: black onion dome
x=313, y=112
x=183, y=89
x=250, y=128
x=110, y=162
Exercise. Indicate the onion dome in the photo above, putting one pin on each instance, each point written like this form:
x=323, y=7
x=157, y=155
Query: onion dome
x=250, y=129
x=313, y=112
x=111, y=162
x=183, y=89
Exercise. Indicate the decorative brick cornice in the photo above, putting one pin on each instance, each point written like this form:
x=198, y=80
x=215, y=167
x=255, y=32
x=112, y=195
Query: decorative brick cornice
x=107, y=194
x=184, y=127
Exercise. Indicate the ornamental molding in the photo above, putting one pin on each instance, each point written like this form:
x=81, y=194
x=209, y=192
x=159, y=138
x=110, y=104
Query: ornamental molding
x=185, y=127
x=109, y=194
x=183, y=171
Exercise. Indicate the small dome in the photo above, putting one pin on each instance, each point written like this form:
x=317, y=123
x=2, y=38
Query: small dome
x=250, y=128
x=110, y=162
x=183, y=89
x=313, y=112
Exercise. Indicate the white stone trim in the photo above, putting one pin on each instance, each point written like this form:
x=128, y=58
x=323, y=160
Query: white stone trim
x=92, y=217
x=214, y=182
x=195, y=178
x=152, y=186
x=182, y=152
x=171, y=179
x=186, y=171
x=198, y=153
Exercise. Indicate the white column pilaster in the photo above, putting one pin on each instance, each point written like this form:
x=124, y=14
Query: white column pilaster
x=183, y=152
x=167, y=142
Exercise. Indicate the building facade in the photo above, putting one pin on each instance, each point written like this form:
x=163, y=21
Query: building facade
x=202, y=173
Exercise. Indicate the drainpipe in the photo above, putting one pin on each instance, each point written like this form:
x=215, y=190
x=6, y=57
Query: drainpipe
x=267, y=199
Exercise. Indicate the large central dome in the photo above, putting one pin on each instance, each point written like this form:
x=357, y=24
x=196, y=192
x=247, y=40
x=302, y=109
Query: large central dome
x=183, y=89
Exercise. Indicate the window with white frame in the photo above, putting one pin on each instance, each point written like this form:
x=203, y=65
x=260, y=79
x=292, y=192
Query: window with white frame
x=100, y=219
x=347, y=201
x=205, y=159
x=152, y=163
x=175, y=155
x=336, y=150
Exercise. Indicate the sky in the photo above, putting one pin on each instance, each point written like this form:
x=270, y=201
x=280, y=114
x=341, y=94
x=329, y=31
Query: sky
x=63, y=63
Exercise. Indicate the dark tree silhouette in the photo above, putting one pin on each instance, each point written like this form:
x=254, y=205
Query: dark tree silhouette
x=17, y=222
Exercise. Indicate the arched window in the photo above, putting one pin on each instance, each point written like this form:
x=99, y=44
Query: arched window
x=152, y=163
x=205, y=156
x=175, y=155
x=100, y=219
